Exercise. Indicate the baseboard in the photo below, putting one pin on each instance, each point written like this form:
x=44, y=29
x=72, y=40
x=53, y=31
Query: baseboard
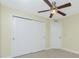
x=1, y=56
x=52, y=48
x=76, y=52
x=26, y=53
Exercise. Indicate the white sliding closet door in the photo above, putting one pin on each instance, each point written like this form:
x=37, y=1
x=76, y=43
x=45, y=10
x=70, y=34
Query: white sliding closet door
x=28, y=36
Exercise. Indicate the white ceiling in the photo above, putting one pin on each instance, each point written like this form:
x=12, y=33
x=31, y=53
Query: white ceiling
x=33, y=6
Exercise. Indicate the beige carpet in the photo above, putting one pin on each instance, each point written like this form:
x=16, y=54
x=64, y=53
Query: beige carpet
x=53, y=53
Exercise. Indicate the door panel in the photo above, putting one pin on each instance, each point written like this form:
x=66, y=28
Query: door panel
x=56, y=34
x=28, y=36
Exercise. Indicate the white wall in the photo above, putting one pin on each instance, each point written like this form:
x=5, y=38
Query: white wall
x=71, y=33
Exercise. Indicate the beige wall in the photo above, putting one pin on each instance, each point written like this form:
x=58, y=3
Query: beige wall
x=0, y=30
x=71, y=33
x=48, y=34
x=6, y=19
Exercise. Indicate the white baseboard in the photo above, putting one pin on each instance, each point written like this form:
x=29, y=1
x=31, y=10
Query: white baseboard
x=27, y=53
x=76, y=52
x=52, y=48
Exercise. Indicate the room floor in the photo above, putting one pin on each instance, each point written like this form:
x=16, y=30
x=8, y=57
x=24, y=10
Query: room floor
x=53, y=53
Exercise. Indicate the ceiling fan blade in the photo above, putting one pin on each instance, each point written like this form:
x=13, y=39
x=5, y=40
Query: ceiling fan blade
x=51, y=15
x=61, y=13
x=65, y=5
x=43, y=11
x=47, y=2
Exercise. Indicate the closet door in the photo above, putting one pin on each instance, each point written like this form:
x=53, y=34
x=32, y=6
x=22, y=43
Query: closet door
x=56, y=35
x=28, y=36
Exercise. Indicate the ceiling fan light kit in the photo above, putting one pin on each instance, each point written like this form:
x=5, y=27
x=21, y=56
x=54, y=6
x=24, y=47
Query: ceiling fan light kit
x=54, y=9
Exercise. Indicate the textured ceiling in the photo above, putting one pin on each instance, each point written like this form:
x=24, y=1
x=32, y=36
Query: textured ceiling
x=33, y=6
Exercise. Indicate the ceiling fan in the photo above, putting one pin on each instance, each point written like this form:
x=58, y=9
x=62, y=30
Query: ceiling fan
x=54, y=9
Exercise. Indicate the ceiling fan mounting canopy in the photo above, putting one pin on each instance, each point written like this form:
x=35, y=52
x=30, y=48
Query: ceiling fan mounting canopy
x=54, y=9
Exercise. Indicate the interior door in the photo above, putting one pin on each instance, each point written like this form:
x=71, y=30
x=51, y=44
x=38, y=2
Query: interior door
x=28, y=36
x=56, y=34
